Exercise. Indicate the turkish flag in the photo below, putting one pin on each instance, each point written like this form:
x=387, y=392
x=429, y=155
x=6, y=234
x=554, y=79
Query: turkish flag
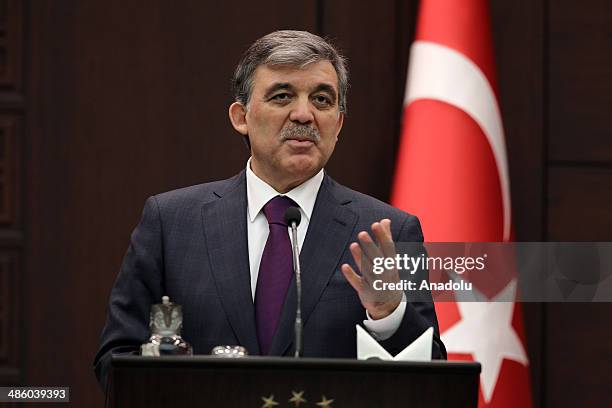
x=452, y=172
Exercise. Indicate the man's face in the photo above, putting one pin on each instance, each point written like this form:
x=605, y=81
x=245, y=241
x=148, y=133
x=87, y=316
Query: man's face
x=292, y=120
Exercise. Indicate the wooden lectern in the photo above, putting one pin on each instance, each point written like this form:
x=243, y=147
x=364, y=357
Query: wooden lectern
x=269, y=382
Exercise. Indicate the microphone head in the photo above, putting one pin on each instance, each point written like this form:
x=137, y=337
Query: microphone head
x=293, y=215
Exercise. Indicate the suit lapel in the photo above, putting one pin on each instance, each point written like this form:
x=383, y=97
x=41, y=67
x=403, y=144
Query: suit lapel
x=224, y=222
x=329, y=231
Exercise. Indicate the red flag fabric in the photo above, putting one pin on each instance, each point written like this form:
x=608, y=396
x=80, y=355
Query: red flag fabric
x=452, y=173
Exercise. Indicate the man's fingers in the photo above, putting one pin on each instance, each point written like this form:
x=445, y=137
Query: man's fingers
x=351, y=276
x=368, y=246
x=364, y=264
x=356, y=252
x=382, y=232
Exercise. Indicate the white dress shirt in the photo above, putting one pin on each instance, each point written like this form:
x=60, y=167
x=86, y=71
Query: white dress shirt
x=258, y=194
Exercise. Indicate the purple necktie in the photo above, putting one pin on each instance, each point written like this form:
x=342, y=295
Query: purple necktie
x=275, y=272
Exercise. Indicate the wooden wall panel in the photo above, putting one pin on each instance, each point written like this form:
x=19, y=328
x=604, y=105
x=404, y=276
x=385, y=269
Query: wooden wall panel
x=10, y=330
x=579, y=82
x=520, y=63
x=579, y=192
x=10, y=155
x=579, y=203
x=12, y=111
x=519, y=56
x=11, y=44
x=578, y=355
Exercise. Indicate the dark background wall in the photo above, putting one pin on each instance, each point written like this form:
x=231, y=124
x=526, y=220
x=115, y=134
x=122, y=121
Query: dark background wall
x=103, y=103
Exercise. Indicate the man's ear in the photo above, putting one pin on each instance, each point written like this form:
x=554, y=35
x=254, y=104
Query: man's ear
x=340, y=123
x=237, y=114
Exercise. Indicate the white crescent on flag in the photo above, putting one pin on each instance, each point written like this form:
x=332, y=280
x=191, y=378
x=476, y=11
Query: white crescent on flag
x=441, y=73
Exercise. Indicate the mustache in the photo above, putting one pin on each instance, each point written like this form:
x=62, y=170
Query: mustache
x=301, y=132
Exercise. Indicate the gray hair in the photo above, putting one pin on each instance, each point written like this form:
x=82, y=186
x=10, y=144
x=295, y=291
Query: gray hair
x=288, y=47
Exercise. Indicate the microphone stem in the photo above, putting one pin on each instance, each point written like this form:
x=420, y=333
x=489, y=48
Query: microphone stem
x=298, y=284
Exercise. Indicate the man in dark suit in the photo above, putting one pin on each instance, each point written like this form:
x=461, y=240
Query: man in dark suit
x=222, y=249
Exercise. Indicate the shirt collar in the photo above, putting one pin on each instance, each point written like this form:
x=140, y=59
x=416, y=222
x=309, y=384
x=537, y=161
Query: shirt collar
x=259, y=193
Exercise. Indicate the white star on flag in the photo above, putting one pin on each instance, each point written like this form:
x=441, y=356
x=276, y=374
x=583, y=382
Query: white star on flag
x=485, y=331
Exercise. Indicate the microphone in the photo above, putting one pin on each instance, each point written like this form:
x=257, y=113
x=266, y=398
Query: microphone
x=293, y=218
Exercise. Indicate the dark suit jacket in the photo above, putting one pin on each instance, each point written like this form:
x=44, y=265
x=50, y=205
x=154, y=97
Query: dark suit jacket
x=191, y=244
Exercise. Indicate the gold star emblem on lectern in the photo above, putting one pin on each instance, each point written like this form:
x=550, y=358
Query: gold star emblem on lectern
x=268, y=402
x=297, y=398
x=325, y=403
